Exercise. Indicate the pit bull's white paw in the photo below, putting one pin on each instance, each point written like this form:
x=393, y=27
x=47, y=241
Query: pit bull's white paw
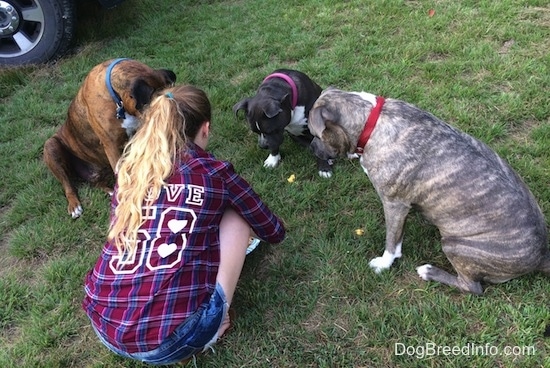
x=325, y=174
x=353, y=156
x=424, y=271
x=77, y=212
x=272, y=161
x=379, y=264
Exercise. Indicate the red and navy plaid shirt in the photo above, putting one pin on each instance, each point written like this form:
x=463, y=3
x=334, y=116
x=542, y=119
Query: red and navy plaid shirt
x=136, y=302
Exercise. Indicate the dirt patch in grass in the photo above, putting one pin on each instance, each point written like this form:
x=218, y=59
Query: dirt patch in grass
x=238, y=79
x=505, y=47
x=8, y=263
x=316, y=318
x=537, y=14
x=521, y=133
x=436, y=57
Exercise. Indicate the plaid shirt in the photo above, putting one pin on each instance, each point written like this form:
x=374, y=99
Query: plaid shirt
x=135, y=303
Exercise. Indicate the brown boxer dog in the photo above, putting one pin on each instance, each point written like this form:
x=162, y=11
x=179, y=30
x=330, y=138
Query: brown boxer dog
x=100, y=119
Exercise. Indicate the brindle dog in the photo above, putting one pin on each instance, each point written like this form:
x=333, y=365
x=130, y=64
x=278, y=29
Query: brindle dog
x=492, y=229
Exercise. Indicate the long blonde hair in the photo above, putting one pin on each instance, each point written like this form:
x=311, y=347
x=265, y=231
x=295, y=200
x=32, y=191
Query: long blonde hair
x=172, y=120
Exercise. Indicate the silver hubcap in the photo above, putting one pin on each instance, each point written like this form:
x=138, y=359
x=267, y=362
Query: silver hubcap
x=9, y=19
x=21, y=27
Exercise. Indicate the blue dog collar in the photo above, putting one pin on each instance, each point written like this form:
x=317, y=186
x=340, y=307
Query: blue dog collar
x=120, y=112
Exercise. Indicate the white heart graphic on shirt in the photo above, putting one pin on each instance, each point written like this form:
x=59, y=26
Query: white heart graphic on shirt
x=164, y=250
x=175, y=226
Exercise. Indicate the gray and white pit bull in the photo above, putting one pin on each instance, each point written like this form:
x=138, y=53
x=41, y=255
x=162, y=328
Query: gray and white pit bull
x=281, y=104
x=492, y=229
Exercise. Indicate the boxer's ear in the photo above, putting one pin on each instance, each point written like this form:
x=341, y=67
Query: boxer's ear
x=169, y=76
x=141, y=93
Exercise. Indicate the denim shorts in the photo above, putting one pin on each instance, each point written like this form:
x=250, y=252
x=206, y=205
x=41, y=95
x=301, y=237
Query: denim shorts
x=197, y=333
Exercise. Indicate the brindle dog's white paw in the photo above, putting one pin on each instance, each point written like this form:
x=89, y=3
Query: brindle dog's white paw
x=272, y=161
x=424, y=272
x=379, y=264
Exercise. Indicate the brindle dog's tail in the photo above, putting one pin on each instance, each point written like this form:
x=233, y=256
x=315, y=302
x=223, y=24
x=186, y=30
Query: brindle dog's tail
x=545, y=267
x=545, y=264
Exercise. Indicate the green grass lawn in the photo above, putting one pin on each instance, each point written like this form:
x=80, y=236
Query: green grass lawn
x=312, y=301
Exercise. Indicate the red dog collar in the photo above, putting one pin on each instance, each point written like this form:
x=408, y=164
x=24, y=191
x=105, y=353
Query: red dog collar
x=290, y=82
x=370, y=124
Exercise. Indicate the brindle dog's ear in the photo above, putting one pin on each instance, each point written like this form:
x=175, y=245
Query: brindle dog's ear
x=141, y=93
x=241, y=105
x=316, y=120
x=272, y=109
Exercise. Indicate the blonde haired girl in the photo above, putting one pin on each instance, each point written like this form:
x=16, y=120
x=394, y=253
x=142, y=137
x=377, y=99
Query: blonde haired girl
x=180, y=225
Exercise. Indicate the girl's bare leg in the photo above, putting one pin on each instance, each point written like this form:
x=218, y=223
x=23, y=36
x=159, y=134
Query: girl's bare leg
x=234, y=238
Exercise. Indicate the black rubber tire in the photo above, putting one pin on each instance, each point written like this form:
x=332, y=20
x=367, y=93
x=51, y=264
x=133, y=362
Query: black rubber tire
x=58, y=32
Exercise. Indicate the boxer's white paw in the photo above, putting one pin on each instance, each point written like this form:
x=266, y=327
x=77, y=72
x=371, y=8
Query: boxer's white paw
x=77, y=212
x=353, y=156
x=272, y=161
x=424, y=271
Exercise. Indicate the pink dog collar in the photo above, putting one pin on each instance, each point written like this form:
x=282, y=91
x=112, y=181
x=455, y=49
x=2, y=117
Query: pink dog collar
x=290, y=82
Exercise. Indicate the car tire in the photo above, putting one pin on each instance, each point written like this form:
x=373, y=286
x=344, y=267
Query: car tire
x=35, y=31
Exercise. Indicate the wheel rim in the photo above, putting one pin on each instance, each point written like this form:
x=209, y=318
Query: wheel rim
x=21, y=27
